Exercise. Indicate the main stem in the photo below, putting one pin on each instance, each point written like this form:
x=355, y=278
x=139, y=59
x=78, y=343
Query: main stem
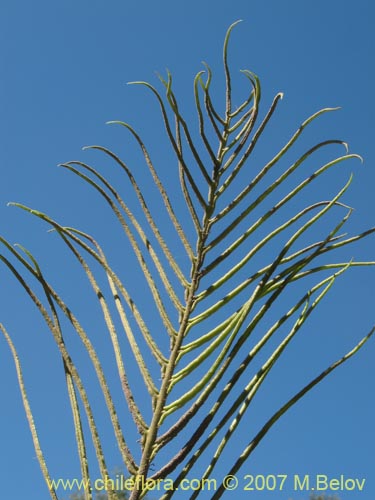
x=195, y=277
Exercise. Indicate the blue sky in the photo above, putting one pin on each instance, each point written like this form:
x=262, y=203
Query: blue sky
x=64, y=66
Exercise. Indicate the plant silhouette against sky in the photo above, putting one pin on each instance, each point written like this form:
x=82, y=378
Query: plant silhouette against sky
x=197, y=364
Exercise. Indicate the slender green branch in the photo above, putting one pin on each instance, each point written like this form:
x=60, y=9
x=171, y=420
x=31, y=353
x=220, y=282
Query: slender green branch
x=184, y=188
x=115, y=342
x=267, y=426
x=228, y=251
x=29, y=415
x=253, y=386
x=101, y=259
x=159, y=267
x=242, y=139
x=160, y=187
x=248, y=257
x=67, y=359
x=174, y=106
x=227, y=72
x=193, y=184
x=274, y=184
x=197, y=82
x=76, y=413
x=210, y=110
x=269, y=190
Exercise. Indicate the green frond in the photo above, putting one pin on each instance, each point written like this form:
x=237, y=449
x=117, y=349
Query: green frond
x=243, y=253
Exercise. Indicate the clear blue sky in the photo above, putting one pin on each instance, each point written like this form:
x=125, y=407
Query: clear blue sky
x=63, y=69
